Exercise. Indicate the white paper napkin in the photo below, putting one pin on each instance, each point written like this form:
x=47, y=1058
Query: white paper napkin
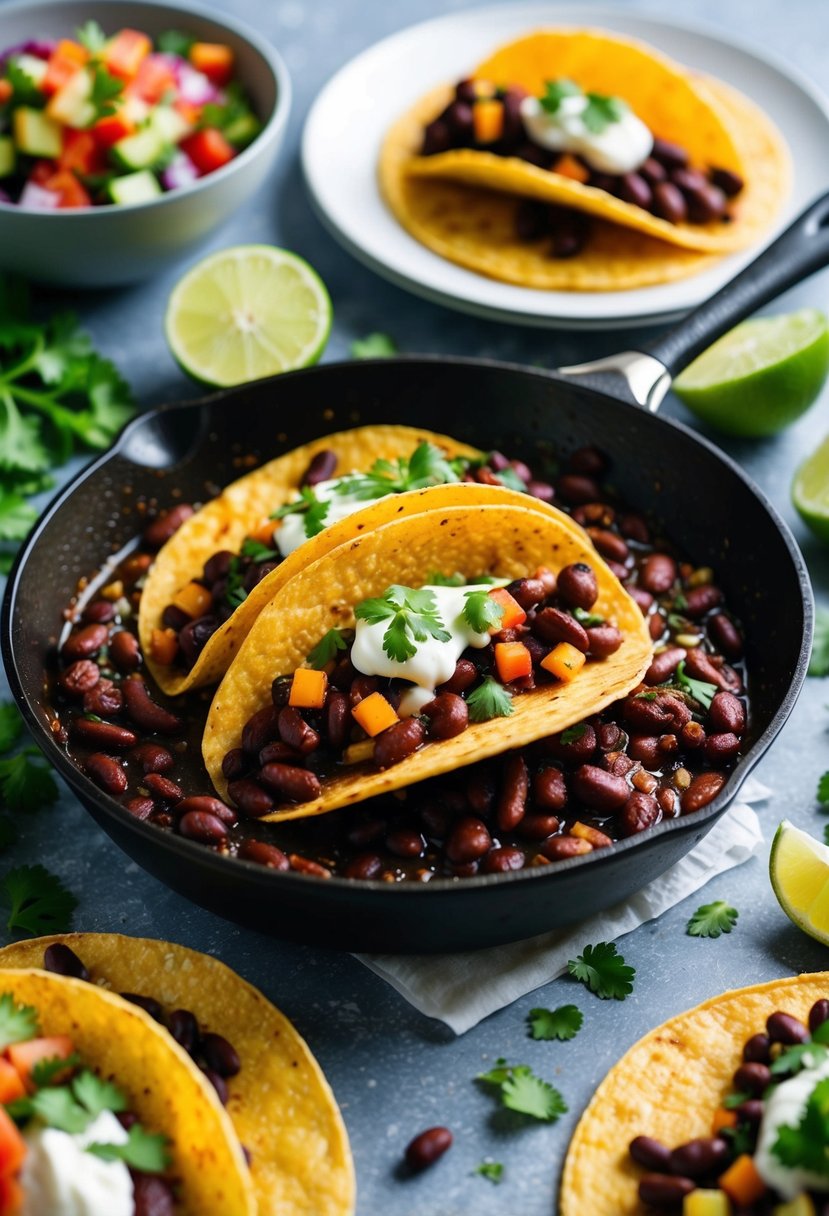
x=461, y=989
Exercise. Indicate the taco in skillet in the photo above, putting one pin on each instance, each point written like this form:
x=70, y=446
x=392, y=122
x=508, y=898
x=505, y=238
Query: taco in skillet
x=103, y=1114
x=277, y=1101
x=432, y=642
x=719, y=1111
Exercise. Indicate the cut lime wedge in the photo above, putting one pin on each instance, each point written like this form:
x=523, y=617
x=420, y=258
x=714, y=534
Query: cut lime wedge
x=761, y=376
x=810, y=490
x=799, y=872
x=245, y=313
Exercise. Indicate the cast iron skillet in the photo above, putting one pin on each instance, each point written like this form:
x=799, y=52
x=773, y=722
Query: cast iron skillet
x=700, y=497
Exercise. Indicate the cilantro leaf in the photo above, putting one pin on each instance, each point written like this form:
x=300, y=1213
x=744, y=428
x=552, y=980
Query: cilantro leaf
x=21, y=442
x=97, y=1095
x=819, y=662
x=142, y=1151
x=412, y=615
x=45, y=1071
x=712, y=920
x=555, y=92
x=57, y=1107
x=493, y=1171
x=801, y=1055
x=601, y=111
x=91, y=36
x=235, y=593
x=256, y=551
x=37, y=900
x=700, y=690
x=11, y=725
x=522, y=1091
x=509, y=478
x=563, y=1023
x=604, y=971
x=823, y=789
x=805, y=1145
x=731, y=1101
x=175, y=42
x=105, y=89
x=436, y=579
x=481, y=612
x=27, y=92
x=17, y=1022
x=326, y=649
x=489, y=700
x=587, y=619
x=315, y=510
x=26, y=785
x=573, y=733
x=427, y=466
x=373, y=346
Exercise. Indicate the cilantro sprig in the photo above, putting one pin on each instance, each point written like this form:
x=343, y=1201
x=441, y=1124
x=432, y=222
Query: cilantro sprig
x=412, y=617
x=427, y=466
x=519, y=1089
x=712, y=920
x=555, y=91
x=700, y=690
x=805, y=1144
x=604, y=971
x=256, y=551
x=142, y=1150
x=481, y=612
x=563, y=1023
x=327, y=648
x=37, y=901
x=489, y=700
x=314, y=510
x=17, y=1022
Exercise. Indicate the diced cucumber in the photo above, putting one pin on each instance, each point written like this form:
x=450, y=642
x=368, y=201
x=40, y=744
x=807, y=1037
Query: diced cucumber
x=8, y=156
x=71, y=105
x=134, y=188
x=243, y=130
x=139, y=151
x=34, y=68
x=36, y=134
x=135, y=109
x=169, y=124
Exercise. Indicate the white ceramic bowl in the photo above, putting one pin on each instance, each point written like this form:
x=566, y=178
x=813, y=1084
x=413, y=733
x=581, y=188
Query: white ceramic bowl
x=109, y=245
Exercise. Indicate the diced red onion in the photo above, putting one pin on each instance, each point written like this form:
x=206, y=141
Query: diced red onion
x=194, y=86
x=38, y=199
x=180, y=172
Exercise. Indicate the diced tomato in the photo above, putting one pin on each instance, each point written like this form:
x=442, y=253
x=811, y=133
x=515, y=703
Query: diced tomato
x=64, y=62
x=6, y=91
x=12, y=1148
x=208, y=149
x=11, y=1196
x=153, y=80
x=124, y=54
x=108, y=130
x=214, y=60
x=81, y=152
x=11, y=1086
x=72, y=192
x=514, y=614
x=24, y=1056
x=41, y=171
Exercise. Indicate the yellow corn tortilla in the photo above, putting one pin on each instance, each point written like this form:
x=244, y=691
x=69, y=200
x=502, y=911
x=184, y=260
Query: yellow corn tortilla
x=668, y=1086
x=119, y=1041
x=225, y=521
x=506, y=541
x=280, y=1104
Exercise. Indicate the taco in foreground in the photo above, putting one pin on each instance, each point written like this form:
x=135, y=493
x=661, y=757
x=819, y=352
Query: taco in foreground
x=279, y=1104
x=103, y=1114
x=720, y=1110
x=432, y=642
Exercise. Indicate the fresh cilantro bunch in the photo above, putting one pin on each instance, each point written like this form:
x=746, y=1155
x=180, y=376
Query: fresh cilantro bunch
x=712, y=920
x=314, y=510
x=412, y=615
x=427, y=466
x=522, y=1091
x=604, y=971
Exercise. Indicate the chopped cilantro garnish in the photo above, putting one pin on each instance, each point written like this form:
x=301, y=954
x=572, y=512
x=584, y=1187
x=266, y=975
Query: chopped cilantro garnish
x=573, y=733
x=235, y=593
x=509, y=478
x=604, y=971
x=436, y=579
x=733, y=1100
x=105, y=88
x=712, y=920
x=804, y=1145
x=601, y=111
x=17, y=1022
x=493, y=1171
x=489, y=700
x=142, y=1151
x=587, y=619
x=37, y=901
x=700, y=690
x=45, y=1071
x=97, y=1094
x=314, y=510
x=412, y=615
x=373, y=346
x=427, y=466
x=326, y=649
x=522, y=1091
x=801, y=1055
x=256, y=551
x=175, y=42
x=555, y=92
x=819, y=662
x=563, y=1023
x=56, y=1106
x=481, y=612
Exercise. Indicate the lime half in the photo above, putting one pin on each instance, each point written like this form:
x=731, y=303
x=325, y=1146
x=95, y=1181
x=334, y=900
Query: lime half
x=799, y=872
x=761, y=376
x=810, y=490
x=247, y=312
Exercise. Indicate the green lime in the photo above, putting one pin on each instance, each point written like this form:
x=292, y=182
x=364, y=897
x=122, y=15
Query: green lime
x=799, y=873
x=245, y=313
x=761, y=376
x=810, y=490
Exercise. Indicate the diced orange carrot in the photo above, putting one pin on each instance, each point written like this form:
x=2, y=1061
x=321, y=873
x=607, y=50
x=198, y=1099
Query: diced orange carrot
x=585, y=832
x=6, y=90
x=12, y=1150
x=308, y=688
x=564, y=661
x=124, y=54
x=163, y=646
x=488, y=121
x=723, y=1118
x=11, y=1086
x=64, y=62
x=24, y=1056
x=214, y=59
x=264, y=533
x=514, y=614
x=193, y=599
x=742, y=1183
x=513, y=661
x=568, y=166
x=374, y=714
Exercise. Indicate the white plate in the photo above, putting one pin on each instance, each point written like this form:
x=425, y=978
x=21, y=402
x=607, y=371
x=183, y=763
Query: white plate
x=349, y=118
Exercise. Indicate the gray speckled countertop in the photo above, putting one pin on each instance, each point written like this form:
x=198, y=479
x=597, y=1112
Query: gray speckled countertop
x=394, y=1071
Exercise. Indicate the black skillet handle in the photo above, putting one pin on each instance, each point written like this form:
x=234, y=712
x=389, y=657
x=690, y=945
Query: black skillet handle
x=801, y=250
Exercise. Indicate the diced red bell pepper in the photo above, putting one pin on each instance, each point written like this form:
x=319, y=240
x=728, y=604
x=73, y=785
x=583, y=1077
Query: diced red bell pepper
x=11, y=1196
x=124, y=54
x=24, y=1057
x=12, y=1150
x=72, y=192
x=214, y=60
x=208, y=149
x=6, y=90
x=81, y=153
x=153, y=80
x=112, y=127
x=11, y=1086
x=64, y=62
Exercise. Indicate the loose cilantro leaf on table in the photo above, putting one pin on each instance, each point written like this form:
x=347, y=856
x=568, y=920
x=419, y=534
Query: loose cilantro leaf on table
x=804, y=1145
x=563, y=1023
x=604, y=971
x=143, y=1151
x=823, y=789
x=481, y=612
x=819, y=663
x=427, y=466
x=373, y=346
x=712, y=920
x=601, y=111
x=700, y=690
x=555, y=92
x=493, y=1171
x=489, y=700
x=314, y=510
x=412, y=615
x=11, y=725
x=522, y=1091
x=37, y=901
x=27, y=784
x=17, y=1022
x=326, y=649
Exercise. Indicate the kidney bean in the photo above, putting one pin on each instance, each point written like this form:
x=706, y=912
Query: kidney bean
x=503, y=859
x=144, y=712
x=609, y=736
x=756, y=1049
x=597, y=514
x=165, y=525
x=702, y=790
x=559, y=848
x=107, y=772
x=652, y=712
x=751, y=1111
x=727, y=713
x=204, y=804
x=599, y=790
x=699, y=665
x=365, y=866
x=281, y=691
x=135, y=567
x=669, y=203
x=569, y=230
x=79, y=678
x=184, y=1027
x=277, y=753
x=152, y=1196
x=538, y=826
x=701, y=1157
x=291, y=783
x=195, y=635
x=362, y=687
x=217, y=567
x=428, y=1147
x=579, y=749
x=664, y=1191
x=721, y=748
x=705, y=203
x=235, y=763
x=304, y=865
x=575, y=489
x=84, y=643
x=337, y=720
x=163, y=788
x=219, y=1055
x=577, y=585
x=530, y=218
x=99, y=612
x=512, y=802
x=818, y=1014
x=527, y=591
x=405, y=842
x=726, y=636
x=398, y=742
x=103, y=734
x=657, y=573
x=62, y=960
x=322, y=467
x=692, y=736
x=436, y=138
x=202, y=826
x=668, y=799
x=642, y=597
x=124, y=651
x=550, y=789
x=639, y=812
x=174, y=618
x=465, y=674
x=264, y=854
x=295, y=731
x=553, y=626
x=604, y=640
x=634, y=189
x=468, y=840
x=139, y=808
x=590, y=461
x=152, y=758
x=104, y=699
x=262, y=728
x=480, y=792
x=752, y=1077
x=448, y=715
x=250, y=798
x=609, y=544
x=617, y=763
x=650, y=1153
x=726, y=180
x=664, y=664
x=784, y=1028
x=700, y=600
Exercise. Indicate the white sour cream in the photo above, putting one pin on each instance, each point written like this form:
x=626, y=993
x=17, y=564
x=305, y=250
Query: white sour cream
x=60, y=1178
x=620, y=148
x=433, y=662
x=290, y=533
x=785, y=1106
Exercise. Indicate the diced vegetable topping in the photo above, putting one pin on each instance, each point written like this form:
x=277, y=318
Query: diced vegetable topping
x=564, y=661
x=308, y=688
x=374, y=714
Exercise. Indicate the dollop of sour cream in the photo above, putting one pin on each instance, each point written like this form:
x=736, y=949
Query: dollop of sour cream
x=433, y=662
x=785, y=1106
x=60, y=1178
x=621, y=147
x=291, y=531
